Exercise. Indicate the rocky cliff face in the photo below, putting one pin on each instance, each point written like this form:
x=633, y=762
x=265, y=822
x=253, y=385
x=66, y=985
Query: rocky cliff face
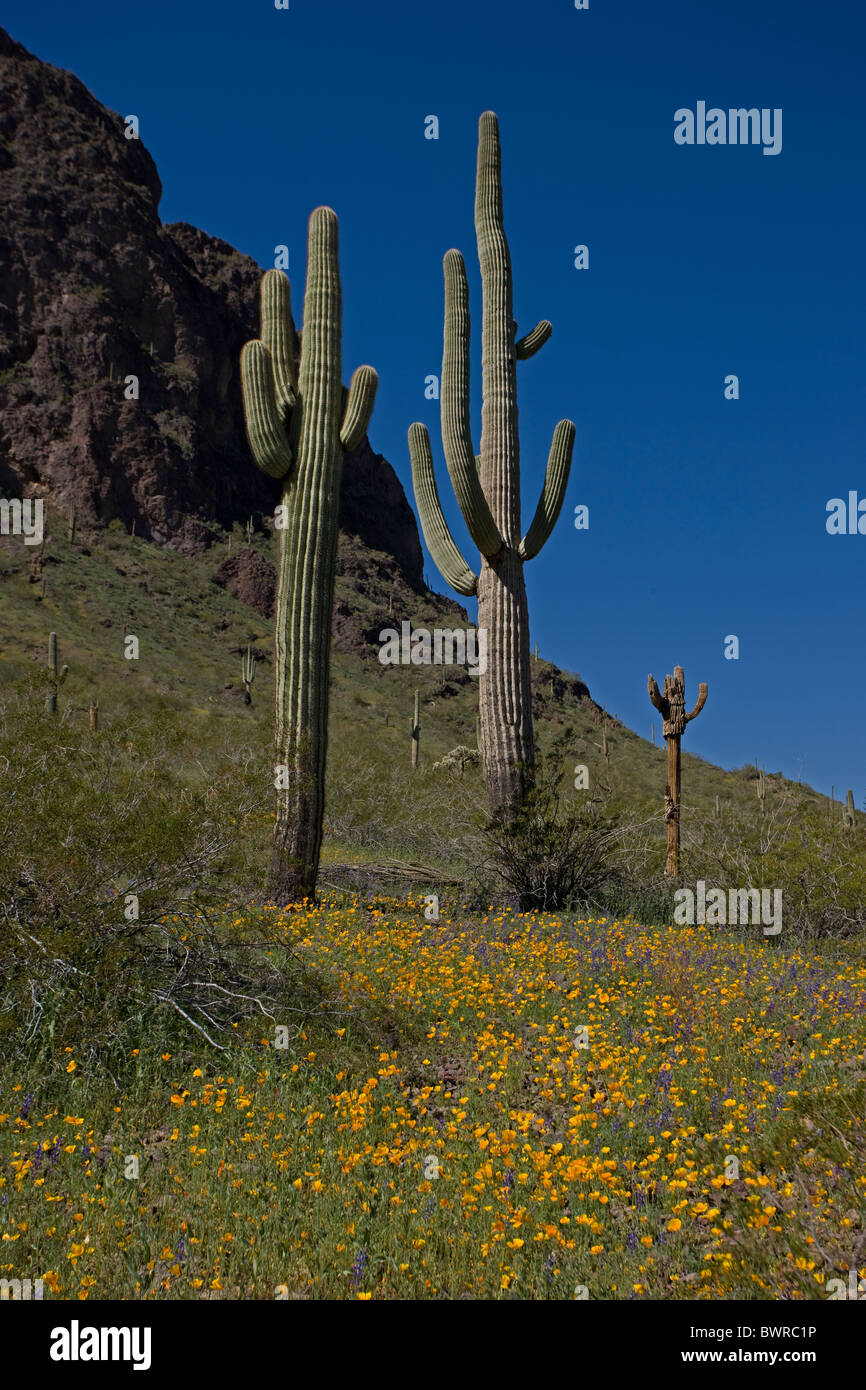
x=94, y=289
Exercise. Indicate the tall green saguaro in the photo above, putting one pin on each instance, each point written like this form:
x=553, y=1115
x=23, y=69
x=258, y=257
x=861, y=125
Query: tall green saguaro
x=488, y=487
x=300, y=421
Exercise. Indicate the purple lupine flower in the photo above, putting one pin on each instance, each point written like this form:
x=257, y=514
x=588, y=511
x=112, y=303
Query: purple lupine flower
x=358, y=1267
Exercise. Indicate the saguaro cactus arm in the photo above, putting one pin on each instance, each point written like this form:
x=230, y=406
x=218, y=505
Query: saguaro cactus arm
x=701, y=701
x=656, y=696
x=278, y=335
x=448, y=559
x=266, y=431
x=360, y=399
x=553, y=494
x=533, y=342
x=456, y=430
x=269, y=379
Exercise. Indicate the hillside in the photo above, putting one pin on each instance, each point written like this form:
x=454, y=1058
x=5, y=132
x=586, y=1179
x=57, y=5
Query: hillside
x=193, y=627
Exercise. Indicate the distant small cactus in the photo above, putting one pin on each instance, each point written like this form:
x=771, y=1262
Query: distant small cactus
x=56, y=678
x=416, y=730
x=248, y=674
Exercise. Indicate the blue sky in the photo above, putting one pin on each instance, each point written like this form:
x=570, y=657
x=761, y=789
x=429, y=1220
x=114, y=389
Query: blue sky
x=707, y=516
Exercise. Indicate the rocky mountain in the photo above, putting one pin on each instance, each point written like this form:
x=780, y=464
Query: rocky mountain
x=94, y=289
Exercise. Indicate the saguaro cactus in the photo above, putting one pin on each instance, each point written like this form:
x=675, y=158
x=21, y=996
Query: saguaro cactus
x=605, y=752
x=300, y=420
x=57, y=678
x=248, y=674
x=416, y=730
x=848, y=819
x=671, y=705
x=488, y=488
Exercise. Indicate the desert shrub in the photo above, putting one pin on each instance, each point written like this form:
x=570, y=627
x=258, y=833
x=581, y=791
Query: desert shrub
x=558, y=852
x=117, y=852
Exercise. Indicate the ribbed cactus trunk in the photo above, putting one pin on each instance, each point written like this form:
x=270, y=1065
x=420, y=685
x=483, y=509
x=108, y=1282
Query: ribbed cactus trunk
x=505, y=694
x=305, y=586
x=488, y=489
x=299, y=423
x=505, y=698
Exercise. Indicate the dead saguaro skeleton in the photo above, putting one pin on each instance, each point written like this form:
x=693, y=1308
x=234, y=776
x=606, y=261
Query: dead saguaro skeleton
x=671, y=705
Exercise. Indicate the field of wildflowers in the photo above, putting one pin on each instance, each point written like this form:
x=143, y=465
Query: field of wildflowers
x=499, y=1106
